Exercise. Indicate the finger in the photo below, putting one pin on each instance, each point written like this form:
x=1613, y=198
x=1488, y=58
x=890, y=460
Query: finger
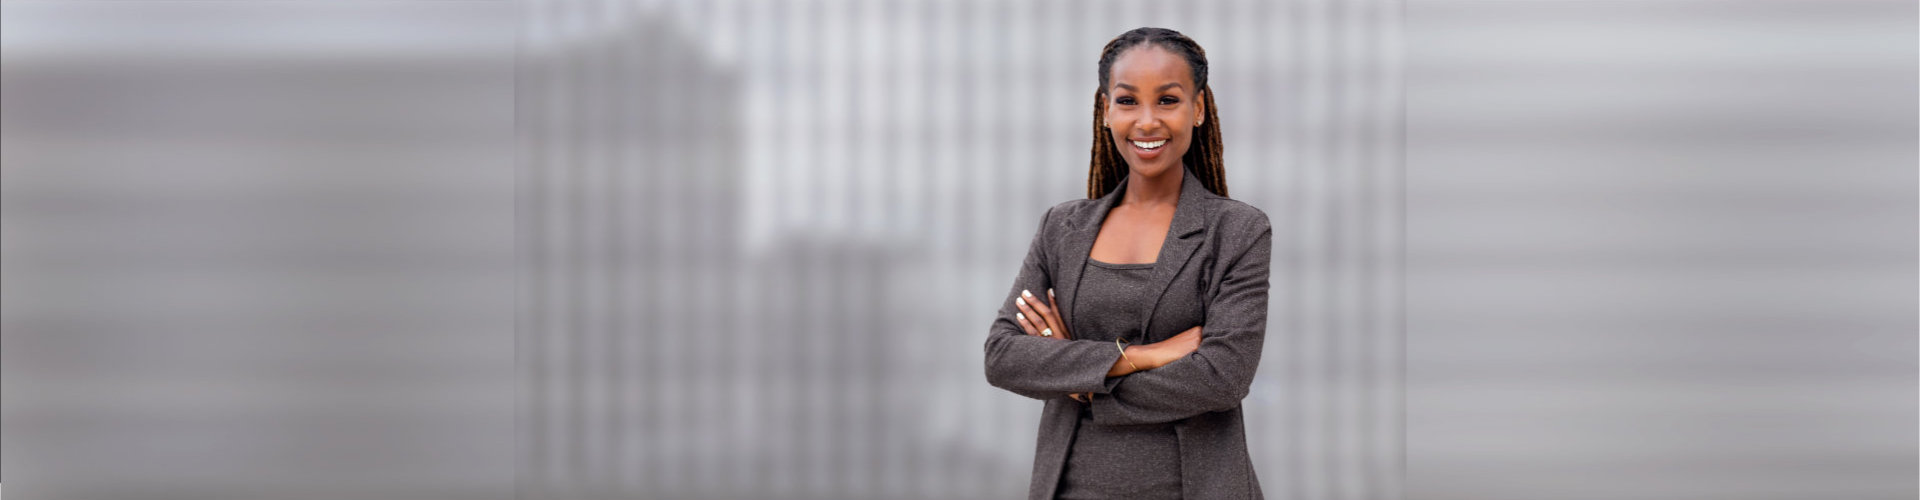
x=1042, y=311
x=1039, y=320
x=1054, y=304
x=1076, y=397
x=1026, y=325
x=1028, y=309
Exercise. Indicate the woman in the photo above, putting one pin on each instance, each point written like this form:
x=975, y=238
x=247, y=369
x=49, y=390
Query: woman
x=1140, y=312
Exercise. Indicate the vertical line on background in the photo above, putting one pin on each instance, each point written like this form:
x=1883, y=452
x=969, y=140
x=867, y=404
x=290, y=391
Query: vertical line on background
x=529, y=232
x=575, y=245
x=613, y=122
x=1336, y=197
x=1392, y=56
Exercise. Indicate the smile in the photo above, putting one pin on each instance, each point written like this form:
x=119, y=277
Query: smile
x=1149, y=145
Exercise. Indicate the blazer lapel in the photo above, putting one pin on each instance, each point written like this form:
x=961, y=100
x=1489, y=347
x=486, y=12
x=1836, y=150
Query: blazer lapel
x=1183, y=237
x=1079, y=245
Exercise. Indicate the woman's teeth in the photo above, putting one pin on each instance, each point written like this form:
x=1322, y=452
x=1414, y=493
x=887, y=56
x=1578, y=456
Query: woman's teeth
x=1150, y=145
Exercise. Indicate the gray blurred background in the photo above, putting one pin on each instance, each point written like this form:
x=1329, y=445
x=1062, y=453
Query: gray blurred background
x=750, y=248
x=257, y=250
x=762, y=241
x=1662, y=250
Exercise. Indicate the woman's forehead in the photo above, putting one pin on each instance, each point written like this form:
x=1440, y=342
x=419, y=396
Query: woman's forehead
x=1149, y=67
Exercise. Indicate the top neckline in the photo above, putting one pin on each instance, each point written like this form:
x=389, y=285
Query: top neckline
x=1110, y=265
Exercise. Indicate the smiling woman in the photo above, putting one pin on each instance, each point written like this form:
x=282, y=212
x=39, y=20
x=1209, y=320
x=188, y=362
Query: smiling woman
x=1140, y=312
x=1177, y=69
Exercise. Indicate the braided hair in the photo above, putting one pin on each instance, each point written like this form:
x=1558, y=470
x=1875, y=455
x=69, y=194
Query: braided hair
x=1203, y=156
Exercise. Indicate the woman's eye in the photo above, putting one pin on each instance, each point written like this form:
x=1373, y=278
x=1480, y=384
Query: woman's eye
x=1125, y=101
x=1169, y=100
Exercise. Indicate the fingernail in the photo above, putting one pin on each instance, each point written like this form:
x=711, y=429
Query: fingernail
x=1026, y=293
x=1022, y=316
x=1020, y=301
x=1049, y=292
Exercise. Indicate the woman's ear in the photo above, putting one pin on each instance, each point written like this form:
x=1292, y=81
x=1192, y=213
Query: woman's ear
x=1200, y=108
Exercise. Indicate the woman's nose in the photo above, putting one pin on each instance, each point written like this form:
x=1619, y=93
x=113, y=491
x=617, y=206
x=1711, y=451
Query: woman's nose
x=1148, y=123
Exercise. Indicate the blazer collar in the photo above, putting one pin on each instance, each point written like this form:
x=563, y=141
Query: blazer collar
x=1187, y=216
x=1189, y=221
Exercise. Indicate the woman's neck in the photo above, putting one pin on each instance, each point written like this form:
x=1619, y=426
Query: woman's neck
x=1163, y=189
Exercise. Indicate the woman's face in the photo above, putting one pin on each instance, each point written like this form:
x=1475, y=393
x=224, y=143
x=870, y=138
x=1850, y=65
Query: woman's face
x=1152, y=108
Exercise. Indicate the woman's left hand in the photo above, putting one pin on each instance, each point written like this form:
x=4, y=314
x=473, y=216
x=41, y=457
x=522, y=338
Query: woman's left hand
x=1043, y=320
x=1040, y=319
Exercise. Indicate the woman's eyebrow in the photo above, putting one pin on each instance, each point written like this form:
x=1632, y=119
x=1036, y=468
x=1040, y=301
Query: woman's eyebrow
x=1161, y=89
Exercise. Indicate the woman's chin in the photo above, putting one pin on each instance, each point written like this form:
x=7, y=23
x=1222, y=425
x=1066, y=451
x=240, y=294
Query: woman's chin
x=1153, y=169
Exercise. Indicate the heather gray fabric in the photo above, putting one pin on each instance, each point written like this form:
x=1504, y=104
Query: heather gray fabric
x=1212, y=271
x=1136, y=462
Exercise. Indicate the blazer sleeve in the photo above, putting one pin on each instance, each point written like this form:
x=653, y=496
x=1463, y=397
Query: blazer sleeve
x=1216, y=376
x=1042, y=367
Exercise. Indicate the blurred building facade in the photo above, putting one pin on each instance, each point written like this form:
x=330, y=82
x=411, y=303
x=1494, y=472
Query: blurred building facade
x=761, y=242
x=257, y=250
x=748, y=248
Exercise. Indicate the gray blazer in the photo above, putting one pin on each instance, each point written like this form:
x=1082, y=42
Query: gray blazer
x=1213, y=273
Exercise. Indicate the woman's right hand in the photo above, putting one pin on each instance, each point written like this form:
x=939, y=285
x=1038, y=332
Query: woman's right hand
x=1173, y=348
x=1138, y=358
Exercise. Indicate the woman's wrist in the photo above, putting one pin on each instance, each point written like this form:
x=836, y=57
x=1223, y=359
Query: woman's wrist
x=1145, y=357
x=1133, y=358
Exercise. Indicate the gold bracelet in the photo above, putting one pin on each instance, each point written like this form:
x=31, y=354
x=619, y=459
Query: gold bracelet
x=1119, y=343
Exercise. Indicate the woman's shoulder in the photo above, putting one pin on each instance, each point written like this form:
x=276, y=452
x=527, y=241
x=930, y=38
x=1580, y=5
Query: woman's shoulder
x=1063, y=215
x=1072, y=208
x=1235, y=214
x=1238, y=228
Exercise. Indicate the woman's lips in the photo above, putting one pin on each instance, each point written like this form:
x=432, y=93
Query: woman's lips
x=1147, y=149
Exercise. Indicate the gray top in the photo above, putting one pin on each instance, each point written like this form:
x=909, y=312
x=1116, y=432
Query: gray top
x=1118, y=461
x=1211, y=272
x=1113, y=300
